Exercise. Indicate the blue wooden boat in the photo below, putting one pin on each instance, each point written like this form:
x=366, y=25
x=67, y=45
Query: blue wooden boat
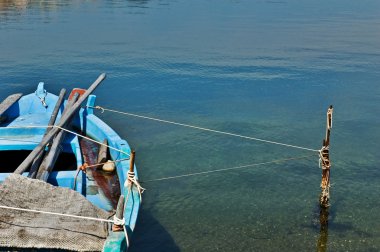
x=22, y=127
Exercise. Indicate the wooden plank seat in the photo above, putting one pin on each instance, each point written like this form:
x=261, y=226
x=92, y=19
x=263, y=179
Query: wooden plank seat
x=6, y=104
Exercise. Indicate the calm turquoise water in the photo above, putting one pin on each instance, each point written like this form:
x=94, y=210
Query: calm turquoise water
x=267, y=69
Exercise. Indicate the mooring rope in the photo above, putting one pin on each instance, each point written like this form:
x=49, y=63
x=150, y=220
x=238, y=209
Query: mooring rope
x=202, y=128
x=133, y=181
x=107, y=162
x=85, y=166
x=58, y=214
x=228, y=169
x=69, y=131
x=89, y=139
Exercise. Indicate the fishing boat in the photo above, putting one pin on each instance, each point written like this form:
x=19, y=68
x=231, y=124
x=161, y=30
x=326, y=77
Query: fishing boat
x=67, y=179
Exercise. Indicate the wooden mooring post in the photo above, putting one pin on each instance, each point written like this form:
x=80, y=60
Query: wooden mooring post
x=325, y=162
x=132, y=161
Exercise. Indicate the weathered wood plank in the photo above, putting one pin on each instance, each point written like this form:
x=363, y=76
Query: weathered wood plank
x=37, y=161
x=53, y=117
x=55, y=149
x=7, y=103
x=119, y=214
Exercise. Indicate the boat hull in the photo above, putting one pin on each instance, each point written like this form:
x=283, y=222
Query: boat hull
x=24, y=129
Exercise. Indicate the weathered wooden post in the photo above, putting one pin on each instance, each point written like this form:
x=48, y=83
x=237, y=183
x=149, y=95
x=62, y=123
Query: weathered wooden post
x=132, y=161
x=118, y=226
x=325, y=162
x=6, y=104
x=324, y=198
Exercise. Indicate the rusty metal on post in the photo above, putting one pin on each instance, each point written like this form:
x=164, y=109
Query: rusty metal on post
x=325, y=162
x=132, y=161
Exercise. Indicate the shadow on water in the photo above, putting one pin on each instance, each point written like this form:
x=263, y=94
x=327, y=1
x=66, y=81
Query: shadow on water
x=150, y=235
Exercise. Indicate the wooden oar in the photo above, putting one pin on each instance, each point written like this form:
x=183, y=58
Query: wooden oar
x=45, y=140
x=55, y=149
x=58, y=105
x=7, y=103
x=37, y=160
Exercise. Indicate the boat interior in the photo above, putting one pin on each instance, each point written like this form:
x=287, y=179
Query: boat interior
x=22, y=129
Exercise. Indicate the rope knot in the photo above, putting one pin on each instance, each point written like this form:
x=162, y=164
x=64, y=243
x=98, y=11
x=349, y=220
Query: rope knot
x=83, y=167
x=118, y=222
x=100, y=108
x=42, y=98
x=133, y=181
x=324, y=161
x=131, y=175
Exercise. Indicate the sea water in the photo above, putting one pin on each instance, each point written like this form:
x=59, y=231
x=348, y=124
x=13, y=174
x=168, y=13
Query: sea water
x=264, y=69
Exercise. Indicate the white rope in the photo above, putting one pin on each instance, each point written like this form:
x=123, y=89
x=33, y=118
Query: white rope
x=130, y=182
x=126, y=235
x=109, y=161
x=58, y=214
x=117, y=221
x=75, y=178
x=323, y=161
x=133, y=181
x=89, y=139
x=69, y=131
x=42, y=99
x=228, y=169
x=204, y=129
x=26, y=127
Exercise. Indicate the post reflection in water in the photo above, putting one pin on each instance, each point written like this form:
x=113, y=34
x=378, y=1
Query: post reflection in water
x=324, y=229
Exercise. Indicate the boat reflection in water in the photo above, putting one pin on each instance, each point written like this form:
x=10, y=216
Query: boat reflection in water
x=19, y=4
